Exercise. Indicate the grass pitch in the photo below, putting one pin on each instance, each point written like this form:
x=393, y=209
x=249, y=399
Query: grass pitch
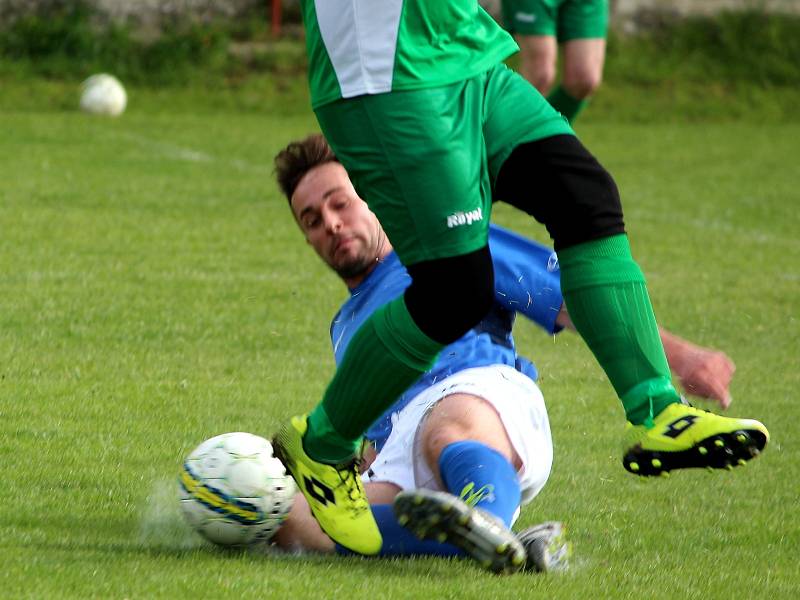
x=154, y=291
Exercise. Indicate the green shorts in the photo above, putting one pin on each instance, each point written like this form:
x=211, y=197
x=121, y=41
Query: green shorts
x=565, y=19
x=425, y=160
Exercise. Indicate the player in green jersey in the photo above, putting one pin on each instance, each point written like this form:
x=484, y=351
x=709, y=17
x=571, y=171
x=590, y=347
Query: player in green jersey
x=431, y=126
x=579, y=27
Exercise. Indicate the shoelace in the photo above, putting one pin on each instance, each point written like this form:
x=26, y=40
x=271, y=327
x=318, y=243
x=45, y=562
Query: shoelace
x=350, y=476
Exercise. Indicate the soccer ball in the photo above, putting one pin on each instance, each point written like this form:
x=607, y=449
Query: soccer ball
x=103, y=94
x=233, y=491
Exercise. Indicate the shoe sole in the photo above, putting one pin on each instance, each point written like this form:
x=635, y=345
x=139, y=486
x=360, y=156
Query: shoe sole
x=443, y=518
x=719, y=451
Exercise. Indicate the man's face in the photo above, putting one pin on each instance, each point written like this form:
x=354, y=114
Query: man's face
x=336, y=222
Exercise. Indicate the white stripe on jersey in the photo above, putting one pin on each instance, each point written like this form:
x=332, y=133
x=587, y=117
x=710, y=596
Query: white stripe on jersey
x=361, y=38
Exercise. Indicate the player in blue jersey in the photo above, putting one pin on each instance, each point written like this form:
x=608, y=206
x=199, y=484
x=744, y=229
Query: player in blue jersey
x=471, y=435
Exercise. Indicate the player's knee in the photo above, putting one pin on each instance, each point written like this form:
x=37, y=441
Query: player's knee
x=581, y=82
x=597, y=212
x=582, y=201
x=540, y=73
x=542, y=78
x=461, y=417
x=449, y=296
x=436, y=437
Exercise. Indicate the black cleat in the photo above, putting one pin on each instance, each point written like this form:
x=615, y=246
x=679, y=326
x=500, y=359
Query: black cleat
x=546, y=547
x=442, y=517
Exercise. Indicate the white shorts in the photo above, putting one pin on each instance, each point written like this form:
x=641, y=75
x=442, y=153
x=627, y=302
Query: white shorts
x=515, y=397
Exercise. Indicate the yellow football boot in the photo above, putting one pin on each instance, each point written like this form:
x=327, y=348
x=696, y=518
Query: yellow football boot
x=685, y=437
x=334, y=492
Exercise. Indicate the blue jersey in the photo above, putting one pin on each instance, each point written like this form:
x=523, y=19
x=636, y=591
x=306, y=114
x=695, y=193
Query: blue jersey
x=527, y=281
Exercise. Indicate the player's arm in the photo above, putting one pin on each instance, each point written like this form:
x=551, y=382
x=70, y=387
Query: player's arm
x=526, y=276
x=703, y=372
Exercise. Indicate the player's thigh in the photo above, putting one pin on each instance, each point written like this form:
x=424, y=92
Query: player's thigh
x=515, y=113
x=419, y=161
x=582, y=19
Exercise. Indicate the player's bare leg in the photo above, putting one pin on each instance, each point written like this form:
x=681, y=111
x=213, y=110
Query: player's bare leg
x=583, y=72
x=538, y=58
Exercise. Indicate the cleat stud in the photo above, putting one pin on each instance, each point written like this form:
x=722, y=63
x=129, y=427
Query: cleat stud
x=729, y=466
x=710, y=469
x=418, y=500
x=702, y=450
x=501, y=548
x=486, y=563
x=441, y=537
x=656, y=463
x=403, y=519
x=664, y=474
x=463, y=519
x=742, y=462
x=633, y=467
x=446, y=508
x=741, y=438
x=719, y=443
x=517, y=560
x=434, y=519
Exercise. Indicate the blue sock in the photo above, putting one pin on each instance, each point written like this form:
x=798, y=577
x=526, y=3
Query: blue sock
x=399, y=541
x=481, y=477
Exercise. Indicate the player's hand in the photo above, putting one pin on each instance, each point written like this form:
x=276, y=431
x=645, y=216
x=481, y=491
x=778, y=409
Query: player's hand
x=707, y=374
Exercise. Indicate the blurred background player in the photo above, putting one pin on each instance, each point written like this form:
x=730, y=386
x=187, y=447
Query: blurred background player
x=415, y=100
x=474, y=425
x=579, y=29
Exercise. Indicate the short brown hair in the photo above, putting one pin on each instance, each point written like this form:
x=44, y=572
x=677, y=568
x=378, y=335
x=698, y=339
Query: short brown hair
x=298, y=158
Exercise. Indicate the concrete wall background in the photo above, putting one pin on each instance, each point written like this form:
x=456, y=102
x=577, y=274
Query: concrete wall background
x=626, y=14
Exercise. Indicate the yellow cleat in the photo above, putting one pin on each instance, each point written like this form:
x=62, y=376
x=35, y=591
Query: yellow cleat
x=683, y=437
x=334, y=492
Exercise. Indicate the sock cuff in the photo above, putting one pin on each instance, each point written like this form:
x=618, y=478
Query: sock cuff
x=603, y=261
x=452, y=453
x=401, y=336
x=648, y=398
x=323, y=441
x=612, y=246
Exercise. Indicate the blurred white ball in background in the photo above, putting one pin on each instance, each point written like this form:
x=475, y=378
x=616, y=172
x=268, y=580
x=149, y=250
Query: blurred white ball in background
x=103, y=94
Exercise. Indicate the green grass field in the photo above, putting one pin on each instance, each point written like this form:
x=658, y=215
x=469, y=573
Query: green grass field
x=154, y=291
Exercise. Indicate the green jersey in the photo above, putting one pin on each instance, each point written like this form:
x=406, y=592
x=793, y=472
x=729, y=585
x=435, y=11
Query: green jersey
x=358, y=47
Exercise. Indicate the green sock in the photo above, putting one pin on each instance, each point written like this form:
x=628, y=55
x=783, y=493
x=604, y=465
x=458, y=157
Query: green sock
x=386, y=355
x=606, y=294
x=566, y=104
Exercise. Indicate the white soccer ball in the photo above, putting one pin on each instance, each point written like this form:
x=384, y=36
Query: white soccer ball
x=233, y=491
x=103, y=94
